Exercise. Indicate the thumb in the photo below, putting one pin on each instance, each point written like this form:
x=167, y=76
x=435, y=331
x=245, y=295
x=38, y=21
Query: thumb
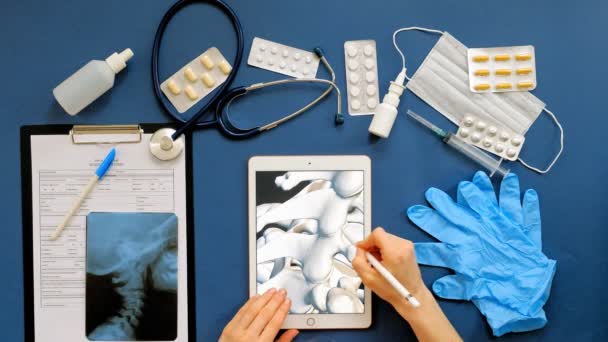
x=452, y=287
x=288, y=336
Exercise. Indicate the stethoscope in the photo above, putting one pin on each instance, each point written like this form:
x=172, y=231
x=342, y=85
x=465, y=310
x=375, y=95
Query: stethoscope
x=168, y=143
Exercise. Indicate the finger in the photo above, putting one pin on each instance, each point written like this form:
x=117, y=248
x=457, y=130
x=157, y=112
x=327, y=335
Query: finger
x=452, y=287
x=431, y=222
x=436, y=254
x=360, y=264
x=531, y=217
x=486, y=215
x=375, y=239
x=510, y=201
x=274, y=325
x=476, y=204
x=483, y=182
x=267, y=312
x=288, y=336
x=239, y=315
x=376, y=254
x=252, y=311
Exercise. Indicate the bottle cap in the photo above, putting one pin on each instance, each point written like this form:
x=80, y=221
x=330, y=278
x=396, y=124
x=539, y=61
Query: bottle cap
x=118, y=61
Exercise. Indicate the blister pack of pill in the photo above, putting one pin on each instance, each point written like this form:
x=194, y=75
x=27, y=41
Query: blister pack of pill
x=501, y=69
x=283, y=59
x=196, y=79
x=361, y=76
x=490, y=137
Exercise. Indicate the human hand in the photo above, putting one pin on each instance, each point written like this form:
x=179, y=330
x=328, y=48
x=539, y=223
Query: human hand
x=397, y=255
x=260, y=319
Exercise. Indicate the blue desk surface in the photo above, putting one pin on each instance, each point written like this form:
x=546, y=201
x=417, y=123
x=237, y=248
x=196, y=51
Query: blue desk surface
x=45, y=41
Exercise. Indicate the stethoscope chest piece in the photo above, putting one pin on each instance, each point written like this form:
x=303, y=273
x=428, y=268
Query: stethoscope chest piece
x=163, y=146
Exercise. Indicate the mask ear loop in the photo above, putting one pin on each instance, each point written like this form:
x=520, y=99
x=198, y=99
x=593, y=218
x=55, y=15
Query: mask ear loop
x=561, y=129
x=411, y=28
x=561, y=146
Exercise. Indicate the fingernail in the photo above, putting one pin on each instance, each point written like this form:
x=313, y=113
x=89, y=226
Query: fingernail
x=282, y=292
x=271, y=290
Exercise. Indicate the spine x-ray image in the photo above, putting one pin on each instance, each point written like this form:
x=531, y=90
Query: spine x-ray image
x=131, y=280
x=303, y=218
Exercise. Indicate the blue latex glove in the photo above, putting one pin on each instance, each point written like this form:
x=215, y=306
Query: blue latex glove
x=495, y=251
x=527, y=217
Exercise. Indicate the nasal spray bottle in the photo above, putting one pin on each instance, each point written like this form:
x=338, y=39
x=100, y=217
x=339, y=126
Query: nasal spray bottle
x=90, y=82
x=386, y=113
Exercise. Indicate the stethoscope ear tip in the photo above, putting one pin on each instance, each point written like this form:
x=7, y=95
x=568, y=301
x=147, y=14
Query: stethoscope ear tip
x=319, y=52
x=339, y=119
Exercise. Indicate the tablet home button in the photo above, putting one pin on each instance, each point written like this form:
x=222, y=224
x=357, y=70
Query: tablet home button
x=310, y=322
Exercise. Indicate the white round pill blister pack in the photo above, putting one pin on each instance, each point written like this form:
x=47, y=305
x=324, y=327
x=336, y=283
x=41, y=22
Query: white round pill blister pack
x=361, y=76
x=492, y=138
x=282, y=59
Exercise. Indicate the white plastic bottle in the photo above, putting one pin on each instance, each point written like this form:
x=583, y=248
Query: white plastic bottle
x=90, y=82
x=386, y=113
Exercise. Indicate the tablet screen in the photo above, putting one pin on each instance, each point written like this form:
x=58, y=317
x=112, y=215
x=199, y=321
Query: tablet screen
x=306, y=222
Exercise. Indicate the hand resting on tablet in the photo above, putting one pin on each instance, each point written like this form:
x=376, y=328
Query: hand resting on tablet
x=260, y=319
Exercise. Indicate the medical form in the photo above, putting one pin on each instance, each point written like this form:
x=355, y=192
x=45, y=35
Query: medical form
x=137, y=182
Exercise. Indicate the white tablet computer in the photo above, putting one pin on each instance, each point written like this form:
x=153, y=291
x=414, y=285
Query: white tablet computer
x=304, y=213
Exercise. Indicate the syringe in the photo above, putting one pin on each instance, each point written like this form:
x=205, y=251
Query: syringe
x=482, y=158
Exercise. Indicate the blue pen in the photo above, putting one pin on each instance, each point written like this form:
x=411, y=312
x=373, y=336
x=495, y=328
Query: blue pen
x=99, y=173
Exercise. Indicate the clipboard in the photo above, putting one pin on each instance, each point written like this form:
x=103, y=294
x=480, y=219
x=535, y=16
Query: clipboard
x=92, y=135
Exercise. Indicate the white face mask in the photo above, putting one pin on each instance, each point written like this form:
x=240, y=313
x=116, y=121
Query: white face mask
x=442, y=82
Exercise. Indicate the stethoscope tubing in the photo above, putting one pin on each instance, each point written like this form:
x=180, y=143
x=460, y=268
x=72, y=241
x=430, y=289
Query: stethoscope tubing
x=194, y=120
x=224, y=95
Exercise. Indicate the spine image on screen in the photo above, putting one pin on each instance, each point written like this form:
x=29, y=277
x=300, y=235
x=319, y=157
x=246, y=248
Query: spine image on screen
x=131, y=280
x=303, y=218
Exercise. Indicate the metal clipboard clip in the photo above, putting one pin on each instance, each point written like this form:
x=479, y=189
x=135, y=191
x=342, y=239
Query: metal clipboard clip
x=106, y=134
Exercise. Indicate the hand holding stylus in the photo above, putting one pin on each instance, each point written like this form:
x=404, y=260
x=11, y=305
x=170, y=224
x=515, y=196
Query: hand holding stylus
x=397, y=255
x=387, y=264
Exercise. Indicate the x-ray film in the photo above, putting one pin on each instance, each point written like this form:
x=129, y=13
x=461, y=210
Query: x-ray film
x=131, y=277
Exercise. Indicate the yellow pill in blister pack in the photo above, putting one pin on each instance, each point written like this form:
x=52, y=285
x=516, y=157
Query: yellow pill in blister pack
x=482, y=72
x=525, y=85
x=184, y=90
x=190, y=75
x=480, y=58
x=207, y=62
x=523, y=57
x=482, y=86
x=208, y=80
x=501, y=69
x=191, y=93
x=523, y=71
x=225, y=67
x=173, y=87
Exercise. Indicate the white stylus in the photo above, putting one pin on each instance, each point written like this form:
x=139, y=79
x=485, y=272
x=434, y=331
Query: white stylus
x=392, y=280
x=388, y=276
